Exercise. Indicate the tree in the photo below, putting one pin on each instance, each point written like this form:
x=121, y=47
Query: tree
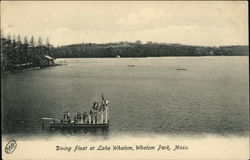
x=138, y=42
x=14, y=56
x=19, y=51
x=31, y=50
x=32, y=42
x=40, y=48
x=3, y=53
x=15, y=52
x=39, y=42
x=25, y=50
x=8, y=53
x=48, y=47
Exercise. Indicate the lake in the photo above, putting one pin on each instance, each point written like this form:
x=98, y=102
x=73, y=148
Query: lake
x=163, y=95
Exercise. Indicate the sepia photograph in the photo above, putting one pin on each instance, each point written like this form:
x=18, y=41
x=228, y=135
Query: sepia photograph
x=124, y=80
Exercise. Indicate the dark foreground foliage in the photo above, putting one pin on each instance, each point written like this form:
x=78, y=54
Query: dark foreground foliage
x=17, y=53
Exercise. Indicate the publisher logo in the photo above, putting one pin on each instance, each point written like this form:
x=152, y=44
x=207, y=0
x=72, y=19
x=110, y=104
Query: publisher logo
x=10, y=147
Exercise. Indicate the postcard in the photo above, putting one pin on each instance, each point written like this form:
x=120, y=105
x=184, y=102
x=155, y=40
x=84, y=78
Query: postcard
x=124, y=80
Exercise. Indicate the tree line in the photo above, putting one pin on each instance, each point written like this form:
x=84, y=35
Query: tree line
x=150, y=49
x=17, y=52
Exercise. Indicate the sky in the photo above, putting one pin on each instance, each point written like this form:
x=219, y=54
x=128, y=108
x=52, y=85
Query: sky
x=207, y=23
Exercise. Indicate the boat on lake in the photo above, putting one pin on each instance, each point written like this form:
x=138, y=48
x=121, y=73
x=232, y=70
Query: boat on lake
x=97, y=117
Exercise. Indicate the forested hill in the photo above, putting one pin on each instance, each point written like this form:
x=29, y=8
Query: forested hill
x=137, y=49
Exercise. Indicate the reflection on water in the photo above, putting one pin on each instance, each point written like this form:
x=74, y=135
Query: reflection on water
x=94, y=132
x=152, y=97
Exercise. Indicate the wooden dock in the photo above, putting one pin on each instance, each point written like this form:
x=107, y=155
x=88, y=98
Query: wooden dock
x=96, y=118
x=79, y=126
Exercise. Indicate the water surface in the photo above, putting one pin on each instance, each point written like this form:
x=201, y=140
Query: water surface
x=147, y=95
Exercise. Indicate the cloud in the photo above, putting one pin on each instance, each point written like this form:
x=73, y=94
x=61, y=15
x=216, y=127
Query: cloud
x=10, y=26
x=142, y=17
x=63, y=30
x=208, y=23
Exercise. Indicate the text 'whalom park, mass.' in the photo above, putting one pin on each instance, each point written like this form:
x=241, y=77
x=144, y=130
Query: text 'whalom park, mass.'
x=77, y=148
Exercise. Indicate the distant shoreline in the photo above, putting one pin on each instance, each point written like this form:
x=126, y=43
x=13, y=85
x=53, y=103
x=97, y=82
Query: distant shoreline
x=155, y=56
x=137, y=49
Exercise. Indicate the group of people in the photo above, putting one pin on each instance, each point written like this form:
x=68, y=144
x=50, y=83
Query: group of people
x=86, y=117
x=66, y=118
